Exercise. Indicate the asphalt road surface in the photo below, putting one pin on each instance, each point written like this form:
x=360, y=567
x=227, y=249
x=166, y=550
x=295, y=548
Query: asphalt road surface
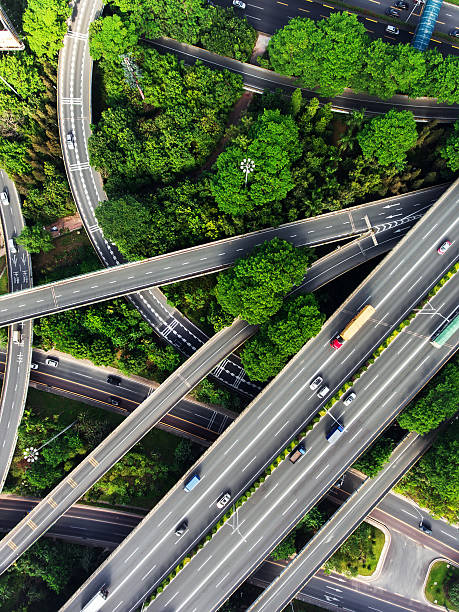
x=283, y=408
x=259, y=79
x=107, y=528
x=271, y=15
x=387, y=215
x=121, y=440
x=280, y=502
x=14, y=390
x=341, y=525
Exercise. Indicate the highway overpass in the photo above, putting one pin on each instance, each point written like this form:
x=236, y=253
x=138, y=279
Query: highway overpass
x=390, y=215
x=15, y=385
x=264, y=429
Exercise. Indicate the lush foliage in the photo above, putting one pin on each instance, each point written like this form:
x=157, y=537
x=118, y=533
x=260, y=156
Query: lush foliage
x=437, y=402
x=271, y=146
x=434, y=480
x=336, y=53
x=255, y=287
x=374, y=459
x=358, y=553
x=111, y=333
x=46, y=575
x=450, y=151
x=387, y=138
x=195, y=21
x=282, y=336
x=35, y=239
x=44, y=24
x=285, y=549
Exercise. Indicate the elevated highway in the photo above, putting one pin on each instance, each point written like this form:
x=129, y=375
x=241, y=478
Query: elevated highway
x=264, y=429
x=19, y=348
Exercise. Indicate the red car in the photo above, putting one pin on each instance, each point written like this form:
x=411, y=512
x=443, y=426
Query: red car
x=444, y=247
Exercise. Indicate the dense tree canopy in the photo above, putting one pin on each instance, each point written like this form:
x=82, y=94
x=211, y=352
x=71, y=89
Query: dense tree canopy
x=278, y=339
x=44, y=24
x=439, y=401
x=272, y=145
x=35, y=239
x=111, y=37
x=374, y=459
x=255, y=287
x=450, y=151
x=434, y=481
x=387, y=138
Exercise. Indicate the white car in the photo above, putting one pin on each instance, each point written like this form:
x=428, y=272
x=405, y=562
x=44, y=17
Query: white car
x=4, y=199
x=239, y=4
x=392, y=30
x=444, y=247
x=315, y=383
x=323, y=392
x=349, y=399
x=224, y=500
x=34, y=366
x=52, y=362
x=70, y=140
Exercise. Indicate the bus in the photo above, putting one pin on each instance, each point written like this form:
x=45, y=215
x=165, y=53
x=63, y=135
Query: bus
x=446, y=330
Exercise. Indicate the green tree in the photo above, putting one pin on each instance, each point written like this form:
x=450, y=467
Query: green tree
x=255, y=287
x=453, y=592
x=298, y=320
x=273, y=146
x=327, y=54
x=228, y=35
x=387, y=138
x=22, y=72
x=435, y=404
x=450, y=151
x=285, y=549
x=374, y=459
x=111, y=37
x=35, y=239
x=44, y=23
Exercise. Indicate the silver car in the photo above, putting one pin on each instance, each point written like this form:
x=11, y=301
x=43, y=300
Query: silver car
x=239, y=4
x=323, y=392
x=315, y=383
x=4, y=199
x=224, y=500
x=349, y=399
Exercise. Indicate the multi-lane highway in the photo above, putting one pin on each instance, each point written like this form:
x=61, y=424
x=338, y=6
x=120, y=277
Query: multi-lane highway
x=14, y=389
x=282, y=499
x=121, y=440
x=389, y=216
x=248, y=446
x=341, y=525
x=259, y=79
x=271, y=15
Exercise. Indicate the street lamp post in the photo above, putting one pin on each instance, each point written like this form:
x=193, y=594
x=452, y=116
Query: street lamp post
x=31, y=453
x=247, y=166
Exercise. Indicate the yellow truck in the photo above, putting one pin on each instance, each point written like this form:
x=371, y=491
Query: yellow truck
x=353, y=326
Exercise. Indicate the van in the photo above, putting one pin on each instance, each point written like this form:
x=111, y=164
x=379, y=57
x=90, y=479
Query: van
x=334, y=432
x=4, y=199
x=323, y=392
x=17, y=336
x=190, y=484
x=11, y=246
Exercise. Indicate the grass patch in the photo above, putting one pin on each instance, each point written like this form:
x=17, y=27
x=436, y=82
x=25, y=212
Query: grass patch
x=4, y=276
x=440, y=575
x=369, y=567
x=359, y=554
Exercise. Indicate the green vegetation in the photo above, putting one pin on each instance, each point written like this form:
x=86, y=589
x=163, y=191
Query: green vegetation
x=256, y=285
x=46, y=575
x=272, y=146
x=389, y=137
x=436, y=402
x=359, y=555
x=434, y=481
x=450, y=151
x=44, y=24
x=442, y=586
x=109, y=333
x=195, y=22
x=282, y=336
x=376, y=457
x=336, y=53
x=35, y=239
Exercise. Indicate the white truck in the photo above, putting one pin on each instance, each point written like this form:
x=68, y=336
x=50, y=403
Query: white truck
x=96, y=602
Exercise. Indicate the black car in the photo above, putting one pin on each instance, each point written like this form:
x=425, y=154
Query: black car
x=423, y=526
x=114, y=380
x=181, y=528
x=392, y=12
x=454, y=33
x=401, y=4
x=114, y=401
